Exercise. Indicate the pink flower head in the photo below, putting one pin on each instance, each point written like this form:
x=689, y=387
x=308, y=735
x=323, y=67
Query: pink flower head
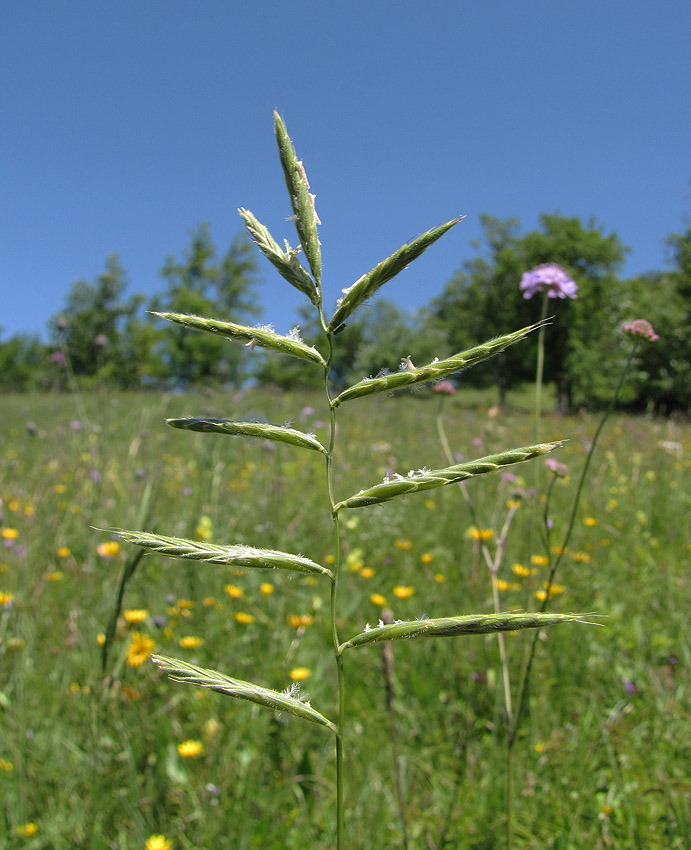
x=551, y=277
x=444, y=388
x=101, y=340
x=57, y=357
x=641, y=329
x=559, y=469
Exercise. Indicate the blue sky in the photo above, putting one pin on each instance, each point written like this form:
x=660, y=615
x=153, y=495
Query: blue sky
x=125, y=124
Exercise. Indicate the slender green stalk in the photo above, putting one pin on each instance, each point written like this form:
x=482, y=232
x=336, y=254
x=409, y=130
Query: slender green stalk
x=540, y=367
x=340, y=801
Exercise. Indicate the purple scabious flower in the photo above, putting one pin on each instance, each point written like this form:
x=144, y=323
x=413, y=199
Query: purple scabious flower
x=641, y=329
x=444, y=388
x=551, y=277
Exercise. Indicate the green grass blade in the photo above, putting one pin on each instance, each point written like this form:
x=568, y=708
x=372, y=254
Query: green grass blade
x=284, y=261
x=264, y=337
x=304, y=213
x=416, y=482
x=369, y=283
x=262, y=430
x=435, y=370
x=470, y=624
x=211, y=553
x=181, y=671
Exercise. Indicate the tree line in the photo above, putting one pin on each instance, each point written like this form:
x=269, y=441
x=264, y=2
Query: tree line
x=103, y=336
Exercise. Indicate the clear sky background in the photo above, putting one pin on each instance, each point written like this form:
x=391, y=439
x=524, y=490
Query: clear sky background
x=125, y=124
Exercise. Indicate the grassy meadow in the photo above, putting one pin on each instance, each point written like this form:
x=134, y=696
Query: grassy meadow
x=94, y=761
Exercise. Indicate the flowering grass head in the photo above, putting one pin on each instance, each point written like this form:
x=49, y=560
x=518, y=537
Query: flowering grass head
x=548, y=277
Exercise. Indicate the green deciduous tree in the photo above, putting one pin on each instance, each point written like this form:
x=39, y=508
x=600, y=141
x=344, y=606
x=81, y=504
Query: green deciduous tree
x=95, y=325
x=201, y=285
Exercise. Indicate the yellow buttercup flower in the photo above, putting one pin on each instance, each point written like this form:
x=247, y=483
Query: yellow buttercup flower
x=378, y=599
x=403, y=592
x=367, y=572
x=108, y=549
x=266, y=588
x=158, y=842
x=427, y=558
x=234, y=591
x=5, y=598
x=190, y=749
x=299, y=674
x=483, y=534
x=403, y=545
x=539, y=560
x=297, y=620
x=64, y=552
x=590, y=521
x=190, y=641
x=26, y=830
x=10, y=534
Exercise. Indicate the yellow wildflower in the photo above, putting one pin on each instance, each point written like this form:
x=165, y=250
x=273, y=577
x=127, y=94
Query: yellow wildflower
x=367, y=572
x=140, y=648
x=185, y=603
x=378, y=599
x=158, y=842
x=520, y=570
x=108, y=549
x=190, y=749
x=190, y=641
x=539, y=560
x=590, y=521
x=204, y=529
x=266, y=588
x=403, y=545
x=208, y=601
x=329, y=559
x=440, y=578
x=234, y=591
x=53, y=575
x=60, y=488
x=244, y=618
x=483, y=534
x=10, y=534
x=26, y=830
x=299, y=674
x=297, y=620
x=6, y=766
x=581, y=557
x=100, y=638
x=134, y=616
x=427, y=558
x=5, y=598
x=403, y=592
x=430, y=504
x=64, y=552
